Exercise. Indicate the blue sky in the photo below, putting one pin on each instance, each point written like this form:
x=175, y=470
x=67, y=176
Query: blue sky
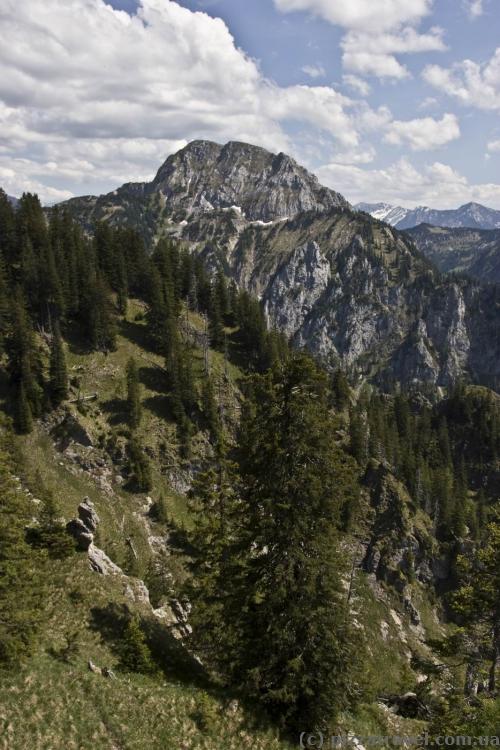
x=393, y=100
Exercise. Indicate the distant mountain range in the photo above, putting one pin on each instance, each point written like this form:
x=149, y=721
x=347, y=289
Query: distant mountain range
x=470, y=215
x=13, y=200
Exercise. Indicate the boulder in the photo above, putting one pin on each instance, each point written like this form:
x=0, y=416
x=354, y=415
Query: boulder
x=88, y=515
x=100, y=562
x=80, y=532
x=83, y=528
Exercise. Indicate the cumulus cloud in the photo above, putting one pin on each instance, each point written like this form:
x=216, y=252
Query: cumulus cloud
x=475, y=8
x=437, y=185
x=423, y=134
x=356, y=84
x=494, y=146
x=362, y=15
x=314, y=71
x=428, y=102
x=471, y=83
x=376, y=31
x=367, y=54
x=78, y=80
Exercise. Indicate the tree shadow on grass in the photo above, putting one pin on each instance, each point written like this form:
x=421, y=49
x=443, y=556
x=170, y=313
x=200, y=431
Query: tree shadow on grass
x=160, y=406
x=116, y=409
x=153, y=379
x=168, y=653
x=136, y=333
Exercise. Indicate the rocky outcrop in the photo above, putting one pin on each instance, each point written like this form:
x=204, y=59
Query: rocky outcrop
x=84, y=527
x=101, y=563
x=83, y=530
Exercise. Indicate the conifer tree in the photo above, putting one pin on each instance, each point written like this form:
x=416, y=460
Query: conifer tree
x=25, y=366
x=23, y=415
x=477, y=601
x=138, y=466
x=51, y=532
x=210, y=408
x=134, y=406
x=101, y=325
x=215, y=321
x=341, y=390
x=286, y=634
x=135, y=654
x=58, y=379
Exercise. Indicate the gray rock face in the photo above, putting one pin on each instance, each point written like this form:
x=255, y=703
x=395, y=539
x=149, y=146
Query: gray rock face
x=296, y=287
x=80, y=532
x=75, y=431
x=88, y=515
x=354, y=292
x=101, y=563
x=265, y=186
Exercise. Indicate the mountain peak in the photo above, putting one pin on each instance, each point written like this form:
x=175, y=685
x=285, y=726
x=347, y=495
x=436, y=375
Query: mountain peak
x=205, y=176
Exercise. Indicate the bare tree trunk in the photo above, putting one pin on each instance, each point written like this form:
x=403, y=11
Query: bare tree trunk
x=470, y=687
x=494, y=658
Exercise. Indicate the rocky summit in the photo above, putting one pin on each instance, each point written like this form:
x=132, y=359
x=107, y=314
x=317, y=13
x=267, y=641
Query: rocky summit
x=205, y=176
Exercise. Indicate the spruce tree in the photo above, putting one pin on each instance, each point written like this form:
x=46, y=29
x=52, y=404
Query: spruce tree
x=134, y=406
x=477, y=601
x=215, y=321
x=51, y=534
x=23, y=415
x=139, y=467
x=279, y=613
x=210, y=408
x=58, y=378
x=135, y=654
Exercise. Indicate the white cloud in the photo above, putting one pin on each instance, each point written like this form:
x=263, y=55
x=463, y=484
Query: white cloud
x=362, y=15
x=494, y=146
x=475, y=8
x=471, y=83
x=314, y=71
x=80, y=80
x=356, y=84
x=363, y=155
x=437, y=185
x=428, y=102
x=377, y=30
x=375, y=55
x=423, y=134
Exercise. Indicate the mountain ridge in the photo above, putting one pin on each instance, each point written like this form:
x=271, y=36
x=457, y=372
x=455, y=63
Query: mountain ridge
x=470, y=215
x=475, y=252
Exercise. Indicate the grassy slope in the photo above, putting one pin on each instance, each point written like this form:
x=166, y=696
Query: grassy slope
x=58, y=704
